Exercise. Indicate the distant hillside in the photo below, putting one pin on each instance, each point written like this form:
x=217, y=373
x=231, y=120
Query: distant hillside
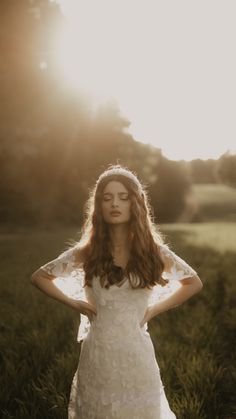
x=219, y=236
x=213, y=202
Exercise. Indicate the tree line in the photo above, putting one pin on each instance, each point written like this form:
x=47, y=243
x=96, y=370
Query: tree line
x=53, y=144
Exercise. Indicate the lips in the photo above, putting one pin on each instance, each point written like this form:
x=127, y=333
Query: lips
x=115, y=213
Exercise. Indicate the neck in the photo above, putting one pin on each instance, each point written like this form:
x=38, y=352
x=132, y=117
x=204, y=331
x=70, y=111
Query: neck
x=119, y=237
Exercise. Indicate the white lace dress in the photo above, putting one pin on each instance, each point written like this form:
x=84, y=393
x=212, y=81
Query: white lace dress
x=118, y=375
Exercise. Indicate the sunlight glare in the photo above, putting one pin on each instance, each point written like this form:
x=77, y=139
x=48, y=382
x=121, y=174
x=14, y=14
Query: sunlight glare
x=98, y=54
x=153, y=60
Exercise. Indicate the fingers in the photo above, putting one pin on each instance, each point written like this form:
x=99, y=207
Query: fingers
x=91, y=309
x=94, y=312
x=90, y=314
x=142, y=323
x=88, y=309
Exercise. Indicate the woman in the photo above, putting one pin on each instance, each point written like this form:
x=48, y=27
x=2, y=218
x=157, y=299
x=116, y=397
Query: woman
x=120, y=263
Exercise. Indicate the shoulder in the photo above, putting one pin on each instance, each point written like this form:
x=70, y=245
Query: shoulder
x=164, y=250
x=163, y=247
x=80, y=254
x=168, y=256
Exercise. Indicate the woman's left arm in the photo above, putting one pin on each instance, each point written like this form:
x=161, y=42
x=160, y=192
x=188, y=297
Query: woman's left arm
x=189, y=287
x=176, y=269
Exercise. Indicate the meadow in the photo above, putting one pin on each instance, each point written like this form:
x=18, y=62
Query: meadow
x=194, y=343
x=214, y=202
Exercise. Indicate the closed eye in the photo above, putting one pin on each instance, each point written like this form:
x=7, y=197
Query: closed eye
x=123, y=196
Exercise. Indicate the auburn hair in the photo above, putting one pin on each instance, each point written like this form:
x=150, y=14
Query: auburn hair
x=145, y=265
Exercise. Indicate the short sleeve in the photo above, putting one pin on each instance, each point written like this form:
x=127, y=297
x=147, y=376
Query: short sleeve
x=70, y=280
x=61, y=266
x=175, y=267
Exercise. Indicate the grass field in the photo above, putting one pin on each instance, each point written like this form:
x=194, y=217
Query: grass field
x=194, y=343
x=219, y=236
x=214, y=202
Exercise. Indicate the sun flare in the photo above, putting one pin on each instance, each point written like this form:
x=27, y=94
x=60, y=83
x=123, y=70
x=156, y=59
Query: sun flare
x=96, y=53
x=153, y=60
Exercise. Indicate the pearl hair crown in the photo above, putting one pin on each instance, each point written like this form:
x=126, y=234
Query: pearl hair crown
x=120, y=171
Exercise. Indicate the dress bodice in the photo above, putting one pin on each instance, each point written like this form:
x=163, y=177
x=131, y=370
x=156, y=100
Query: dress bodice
x=118, y=304
x=118, y=308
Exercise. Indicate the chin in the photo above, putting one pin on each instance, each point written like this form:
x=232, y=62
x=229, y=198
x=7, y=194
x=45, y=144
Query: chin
x=112, y=221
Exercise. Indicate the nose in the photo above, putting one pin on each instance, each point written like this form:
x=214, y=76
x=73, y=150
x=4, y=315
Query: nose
x=114, y=202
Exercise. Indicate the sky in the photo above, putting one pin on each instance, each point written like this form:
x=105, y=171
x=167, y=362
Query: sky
x=170, y=65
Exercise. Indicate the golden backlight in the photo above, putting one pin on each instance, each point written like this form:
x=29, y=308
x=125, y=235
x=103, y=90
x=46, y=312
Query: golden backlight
x=100, y=49
x=169, y=66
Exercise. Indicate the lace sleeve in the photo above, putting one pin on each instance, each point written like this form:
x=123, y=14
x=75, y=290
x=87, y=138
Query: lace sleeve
x=175, y=267
x=69, y=278
x=62, y=266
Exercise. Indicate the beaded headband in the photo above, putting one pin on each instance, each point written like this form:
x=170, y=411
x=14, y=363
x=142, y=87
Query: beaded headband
x=123, y=172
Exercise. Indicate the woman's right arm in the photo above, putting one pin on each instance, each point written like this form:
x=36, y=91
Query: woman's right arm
x=43, y=280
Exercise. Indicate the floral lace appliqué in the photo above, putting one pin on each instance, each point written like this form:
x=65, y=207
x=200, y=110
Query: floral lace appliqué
x=177, y=268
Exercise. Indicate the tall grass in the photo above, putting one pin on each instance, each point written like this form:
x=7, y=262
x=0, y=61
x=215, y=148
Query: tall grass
x=194, y=343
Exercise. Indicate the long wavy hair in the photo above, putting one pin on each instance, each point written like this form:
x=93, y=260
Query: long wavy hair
x=145, y=266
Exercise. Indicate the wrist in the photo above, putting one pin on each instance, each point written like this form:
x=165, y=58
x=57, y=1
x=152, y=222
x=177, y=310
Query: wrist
x=156, y=309
x=69, y=301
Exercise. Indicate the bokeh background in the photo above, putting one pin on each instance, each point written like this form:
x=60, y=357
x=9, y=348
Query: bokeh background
x=149, y=86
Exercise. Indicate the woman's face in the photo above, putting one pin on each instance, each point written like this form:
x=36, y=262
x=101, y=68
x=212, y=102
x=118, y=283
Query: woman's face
x=115, y=203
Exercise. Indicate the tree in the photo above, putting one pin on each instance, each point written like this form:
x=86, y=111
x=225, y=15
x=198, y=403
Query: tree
x=226, y=169
x=53, y=145
x=170, y=190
